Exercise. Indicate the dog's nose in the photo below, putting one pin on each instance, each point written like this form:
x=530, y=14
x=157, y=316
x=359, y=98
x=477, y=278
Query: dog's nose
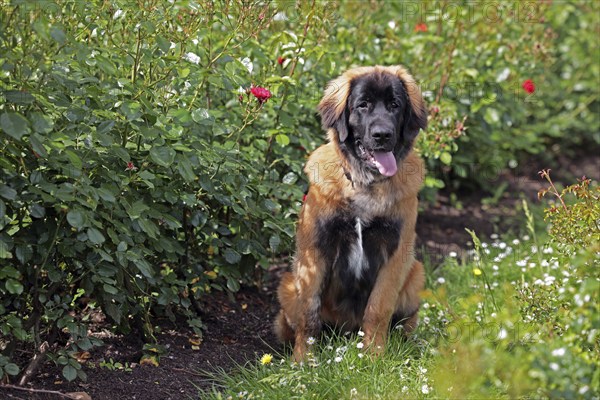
x=382, y=136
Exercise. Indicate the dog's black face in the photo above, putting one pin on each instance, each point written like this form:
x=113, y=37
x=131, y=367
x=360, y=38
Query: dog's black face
x=378, y=125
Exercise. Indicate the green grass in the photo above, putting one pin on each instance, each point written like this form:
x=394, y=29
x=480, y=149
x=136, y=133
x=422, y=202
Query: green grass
x=512, y=318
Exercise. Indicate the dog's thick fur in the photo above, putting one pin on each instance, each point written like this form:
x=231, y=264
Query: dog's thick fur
x=354, y=265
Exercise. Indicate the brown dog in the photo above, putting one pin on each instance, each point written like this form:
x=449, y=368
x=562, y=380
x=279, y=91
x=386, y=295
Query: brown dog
x=354, y=265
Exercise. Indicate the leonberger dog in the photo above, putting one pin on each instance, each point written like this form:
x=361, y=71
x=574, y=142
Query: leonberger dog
x=354, y=266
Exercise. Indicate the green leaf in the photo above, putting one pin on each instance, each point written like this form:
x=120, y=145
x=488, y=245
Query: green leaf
x=74, y=159
x=233, y=284
x=23, y=253
x=232, y=256
x=105, y=127
x=8, y=192
x=163, y=44
x=69, y=372
x=41, y=123
x=13, y=286
x=136, y=209
x=201, y=116
x=163, y=156
x=58, y=35
x=11, y=369
x=110, y=289
x=37, y=146
x=18, y=97
x=95, y=236
x=14, y=124
x=76, y=219
x=4, y=250
x=185, y=169
x=106, y=195
x=446, y=158
x=144, y=267
x=283, y=140
x=37, y=211
x=149, y=227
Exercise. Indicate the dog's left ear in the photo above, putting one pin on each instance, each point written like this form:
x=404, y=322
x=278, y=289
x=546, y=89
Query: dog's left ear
x=415, y=116
x=333, y=108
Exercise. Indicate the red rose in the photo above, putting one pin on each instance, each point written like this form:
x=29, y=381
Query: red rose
x=421, y=27
x=261, y=94
x=529, y=86
x=280, y=60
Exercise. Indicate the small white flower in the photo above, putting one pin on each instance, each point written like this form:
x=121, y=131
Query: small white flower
x=280, y=16
x=425, y=389
x=360, y=345
x=441, y=280
x=452, y=254
x=494, y=236
x=248, y=64
x=584, y=389
x=516, y=242
x=426, y=320
x=392, y=25
x=502, y=334
x=521, y=263
x=353, y=392
x=422, y=370
x=360, y=333
x=548, y=250
x=310, y=341
x=338, y=359
x=495, y=267
x=360, y=355
x=484, y=245
x=502, y=245
x=192, y=57
x=526, y=238
x=554, y=366
x=404, y=389
x=118, y=14
x=559, y=352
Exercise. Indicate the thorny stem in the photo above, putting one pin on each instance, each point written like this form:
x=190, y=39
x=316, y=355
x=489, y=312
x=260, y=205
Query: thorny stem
x=545, y=173
x=446, y=75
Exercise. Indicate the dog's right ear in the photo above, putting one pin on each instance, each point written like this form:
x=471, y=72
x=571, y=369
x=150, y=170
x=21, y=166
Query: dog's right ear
x=333, y=108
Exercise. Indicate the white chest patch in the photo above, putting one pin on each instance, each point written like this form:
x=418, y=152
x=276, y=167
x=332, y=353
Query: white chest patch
x=357, y=261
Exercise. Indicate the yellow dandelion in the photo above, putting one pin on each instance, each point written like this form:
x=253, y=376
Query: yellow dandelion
x=266, y=359
x=476, y=271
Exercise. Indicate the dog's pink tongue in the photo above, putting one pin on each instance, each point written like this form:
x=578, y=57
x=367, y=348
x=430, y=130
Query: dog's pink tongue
x=385, y=162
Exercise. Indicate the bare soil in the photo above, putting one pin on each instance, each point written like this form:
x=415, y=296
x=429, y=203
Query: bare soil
x=238, y=326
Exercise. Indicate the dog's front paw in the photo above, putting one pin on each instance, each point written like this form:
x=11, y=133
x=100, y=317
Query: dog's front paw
x=300, y=351
x=374, y=344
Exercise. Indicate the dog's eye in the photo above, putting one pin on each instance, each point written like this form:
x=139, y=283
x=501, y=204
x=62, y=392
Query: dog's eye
x=363, y=104
x=393, y=104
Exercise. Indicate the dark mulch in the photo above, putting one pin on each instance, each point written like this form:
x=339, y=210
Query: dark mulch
x=238, y=327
